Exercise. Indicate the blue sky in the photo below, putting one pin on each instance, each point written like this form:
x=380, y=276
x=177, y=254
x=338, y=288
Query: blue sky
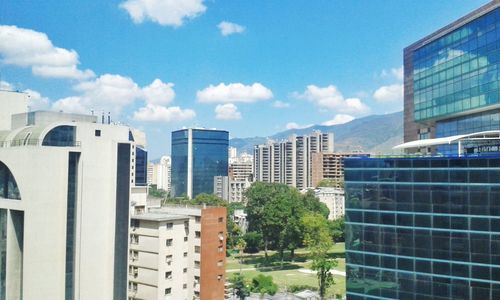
x=251, y=67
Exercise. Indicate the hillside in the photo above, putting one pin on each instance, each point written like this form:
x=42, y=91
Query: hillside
x=374, y=134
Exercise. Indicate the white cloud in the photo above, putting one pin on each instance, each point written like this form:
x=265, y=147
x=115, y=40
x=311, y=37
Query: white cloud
x=28, y=48
x=37, y=101
x=71, y=105
x=157, y=113
x=5, y=86
x=280, y=104
x=389, y=93
x=164, y=12
x=227, y=111
x=293, y=125
x=396, y=73
x=331, y=98
x=338, y=119
x=159, y=93
x=228, y=28
x=234, y=92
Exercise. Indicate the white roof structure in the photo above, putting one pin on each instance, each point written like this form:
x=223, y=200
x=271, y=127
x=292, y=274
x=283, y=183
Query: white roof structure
x=476, y=136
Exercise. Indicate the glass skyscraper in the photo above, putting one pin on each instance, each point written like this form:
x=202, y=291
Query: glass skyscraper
x=426, y=227
x=423, y=228
x=452, y=79
x=198, y=155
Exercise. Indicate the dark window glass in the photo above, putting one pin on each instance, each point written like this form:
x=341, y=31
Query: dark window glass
x=60, y=136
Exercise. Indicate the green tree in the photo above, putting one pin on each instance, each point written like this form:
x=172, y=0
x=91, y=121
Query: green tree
x=337, y=229
x=239, y=286
x=313, y=204
x=263, y=284
x=318, y=240
x=254, y=242
x=331, y=183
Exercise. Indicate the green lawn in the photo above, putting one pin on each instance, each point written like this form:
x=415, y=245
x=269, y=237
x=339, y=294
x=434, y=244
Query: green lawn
x=288, y=273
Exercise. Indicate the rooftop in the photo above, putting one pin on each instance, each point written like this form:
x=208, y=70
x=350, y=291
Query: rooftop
x=159, y=216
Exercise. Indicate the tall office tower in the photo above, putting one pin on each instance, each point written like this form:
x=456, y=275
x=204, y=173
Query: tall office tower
x=290, y=162
x=451, y=81
x=67, y=188
x=428, y=227
x=164, y=173
x=178, y=253
x=330, y=166
x=198, y=155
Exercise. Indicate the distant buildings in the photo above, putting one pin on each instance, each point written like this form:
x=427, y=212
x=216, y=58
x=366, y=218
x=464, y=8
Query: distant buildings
x=178, y=253
x=334, y=200
x=160, y=174
x=330, y=166
x=290, y=162
x=198, y=155
x=427, y=227
x=68, y=186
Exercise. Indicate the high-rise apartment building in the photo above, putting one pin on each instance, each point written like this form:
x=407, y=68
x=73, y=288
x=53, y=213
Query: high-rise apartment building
x=67, y=188
x=451, y=86
x=178, y=252
x=197, y=156
x=330, y=166
x=334, y=200
x=427, y=227
x=290, y=162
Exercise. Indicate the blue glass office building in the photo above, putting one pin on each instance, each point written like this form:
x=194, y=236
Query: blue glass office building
x=197, y=156
x=423, y=228
x=452, y=79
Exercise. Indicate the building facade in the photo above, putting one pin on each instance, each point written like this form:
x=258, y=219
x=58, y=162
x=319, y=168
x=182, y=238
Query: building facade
x=178, y=253
x=334, y=200
x=451, y=83
x=423, y=228
x=197, y=156
x=67, y=189
x=330, y=166
x=290, y=161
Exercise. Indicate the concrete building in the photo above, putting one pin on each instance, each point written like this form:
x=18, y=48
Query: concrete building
x=230, y=190
x=423, y=226
x=160, y=174
x=178, y=253
x=330, y=166
x=197, y=156
x=67, y=188
x=241, y=167
x=334, y=199
x=290, y=162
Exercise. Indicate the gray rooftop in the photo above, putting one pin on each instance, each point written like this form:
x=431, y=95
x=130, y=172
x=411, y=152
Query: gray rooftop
x=159, y=217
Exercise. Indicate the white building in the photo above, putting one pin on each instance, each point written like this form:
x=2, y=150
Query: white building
x=334, y=199
x=178, y=253
x=230, y=190
x=290, y=161
x=164, y=173
x=66, y=188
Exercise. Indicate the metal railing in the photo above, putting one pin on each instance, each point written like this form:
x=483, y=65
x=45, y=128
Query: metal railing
x=38, y=142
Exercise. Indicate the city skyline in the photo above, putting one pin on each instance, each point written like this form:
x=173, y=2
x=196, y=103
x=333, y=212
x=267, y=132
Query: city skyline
x=220, y=64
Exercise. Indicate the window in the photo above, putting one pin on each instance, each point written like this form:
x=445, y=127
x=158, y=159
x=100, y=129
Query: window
x=221, y=219
x=132, y=286
x=168, y=259
x=197, y=249
x=134, y=223
x=197, y=264
x=185, y=254
x=185, y=270
x=197, y=219
x=168, y=291
x=185, y=239
x=8, y=185
x=134, y=239
x=169, y=242
x=170, y=225
x=220, y=263
x=168, y=275
x=97, y=132
x=197, y=234
x=221, y=249
x=134, y=255
x=219, y=277
x=221, y=236
x=134, y=271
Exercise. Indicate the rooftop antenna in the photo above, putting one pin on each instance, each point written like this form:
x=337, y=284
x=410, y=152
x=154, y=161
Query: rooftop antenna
x=102, y=117
x=109, y=117
x=92, y=111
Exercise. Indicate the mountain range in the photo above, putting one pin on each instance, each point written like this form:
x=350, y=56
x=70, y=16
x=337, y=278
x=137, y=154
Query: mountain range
x=372, y=134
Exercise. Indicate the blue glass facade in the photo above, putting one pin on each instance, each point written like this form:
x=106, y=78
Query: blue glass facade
x=8, y=185
x=141, y=167
x=60, y=136
x=458, y=71
x=426, y=228
x=208, y=156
